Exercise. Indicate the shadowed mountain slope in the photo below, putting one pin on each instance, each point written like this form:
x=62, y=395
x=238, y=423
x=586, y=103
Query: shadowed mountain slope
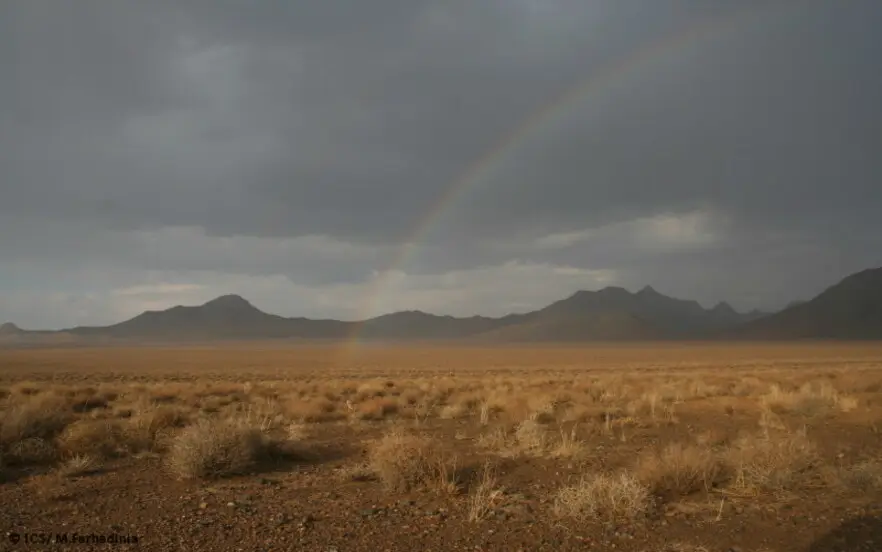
x=851, y=309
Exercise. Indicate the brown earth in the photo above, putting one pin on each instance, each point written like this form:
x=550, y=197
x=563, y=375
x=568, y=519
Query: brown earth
x=107, y=427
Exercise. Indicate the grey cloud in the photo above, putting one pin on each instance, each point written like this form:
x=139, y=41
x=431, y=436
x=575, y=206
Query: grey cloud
x=275, y=126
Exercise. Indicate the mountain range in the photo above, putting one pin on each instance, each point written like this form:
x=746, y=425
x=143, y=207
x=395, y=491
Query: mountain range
x=851, y=309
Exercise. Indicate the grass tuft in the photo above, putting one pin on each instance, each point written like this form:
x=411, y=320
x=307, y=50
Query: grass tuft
x=604, y=497
x=213, y=448
x=680, y=470
x=403, y=461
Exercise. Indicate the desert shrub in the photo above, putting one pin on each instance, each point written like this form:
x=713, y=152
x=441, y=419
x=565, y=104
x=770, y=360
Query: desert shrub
x=531, y=436
x=680, y=469
x=486, y=496
x=772, y=461
x=94, y=438
x=213, y=448
x=32, y=450
x=28, y=428
x=403, y=461
x=77, y=465
x=863, y=476
x=152, y=427
x=569, y=445
x=39, y=416
x=605, y=497
x=376, y=409
x=312, y=411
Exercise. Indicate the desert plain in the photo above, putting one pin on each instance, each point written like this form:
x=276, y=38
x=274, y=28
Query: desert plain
x=265, y=446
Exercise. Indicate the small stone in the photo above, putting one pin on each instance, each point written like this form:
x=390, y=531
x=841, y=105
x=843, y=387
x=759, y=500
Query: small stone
x=203, y=505
x=231, y=504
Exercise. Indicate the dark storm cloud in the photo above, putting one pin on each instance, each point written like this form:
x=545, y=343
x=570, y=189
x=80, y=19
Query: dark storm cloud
x=273, y=119
x=308, y=139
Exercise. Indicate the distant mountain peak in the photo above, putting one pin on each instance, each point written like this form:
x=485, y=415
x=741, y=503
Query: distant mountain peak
x=229, y=302
x=9, y=328
x=614, y=290
x=850, y=309
x=723, y=307
x=648, y=290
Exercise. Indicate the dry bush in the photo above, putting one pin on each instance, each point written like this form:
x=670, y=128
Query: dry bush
x=213, y=448
x=28, y=426
x=39, y=416
x=496, y=439
x=486, y=495
x=488, y=410
x=152, y=428
x=680, y=470
x=809, y=400
x=863, y=476
x=95, y=438
x=26, y=388
x=712, y=438
x=87, y=399
x=531, y=437
x=357, y=472
x=454, y=411
x=569, y=445
x=771, y=461
x=296, y=431
x=375, y=409
x=80, y=464
x=747, y=387
x=32, y=450
x=370, y=390
x=582, y=413
x=603, y=496
x=699, y=389
x=313, y=411
x=403, y=461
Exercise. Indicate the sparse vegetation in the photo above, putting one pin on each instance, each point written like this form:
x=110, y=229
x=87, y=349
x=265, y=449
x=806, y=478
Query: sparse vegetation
x=80, y=464
x=572, y=443
x=218, y=448
x=772, y=461
x=485, y=496
x=679, y=470
x=604, y=496
x=403, y=461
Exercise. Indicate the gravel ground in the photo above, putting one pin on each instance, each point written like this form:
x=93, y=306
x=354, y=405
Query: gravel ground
x=308, y=508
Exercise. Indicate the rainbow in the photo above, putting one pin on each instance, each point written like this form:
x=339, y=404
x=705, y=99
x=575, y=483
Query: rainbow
x=599, y=84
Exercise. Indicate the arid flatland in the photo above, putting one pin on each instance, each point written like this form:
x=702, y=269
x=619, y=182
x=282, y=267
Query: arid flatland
x=266, y=446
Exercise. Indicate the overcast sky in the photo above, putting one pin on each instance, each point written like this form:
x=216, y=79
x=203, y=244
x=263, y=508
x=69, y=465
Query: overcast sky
x=164, y=152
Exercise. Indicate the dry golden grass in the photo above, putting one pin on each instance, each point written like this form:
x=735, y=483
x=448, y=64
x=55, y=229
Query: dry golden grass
x=152, y=427
x=604, y=496
x=376, y=408
x=213, y=448
x=810, y=399
x=220, y=411
x=486, y=495
x=80, y=464
x=34, y=416
x=403, y=461
x=772, y=461
x=680, y=470
x=95, y=438
x=357, y=472
x=863, y=476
